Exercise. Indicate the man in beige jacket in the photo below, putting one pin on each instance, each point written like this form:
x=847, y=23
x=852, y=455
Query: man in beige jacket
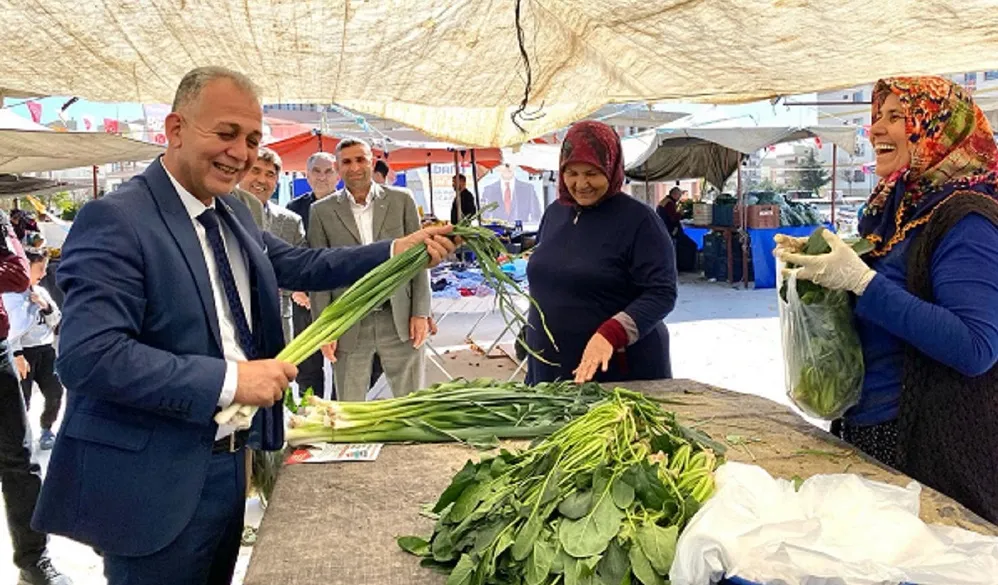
x=363, y=212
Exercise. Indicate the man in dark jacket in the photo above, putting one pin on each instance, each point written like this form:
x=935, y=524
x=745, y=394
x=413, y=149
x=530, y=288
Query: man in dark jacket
x=322, y=178
x=462, y=197
x=686, y=248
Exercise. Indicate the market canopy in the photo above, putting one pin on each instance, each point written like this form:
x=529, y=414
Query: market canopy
x=453, y=68
x=714, y=153
x=23, y=151
x=401, y=155
x=17, y=185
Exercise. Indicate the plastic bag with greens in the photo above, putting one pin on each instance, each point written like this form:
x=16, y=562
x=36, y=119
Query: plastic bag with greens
x=822, y=356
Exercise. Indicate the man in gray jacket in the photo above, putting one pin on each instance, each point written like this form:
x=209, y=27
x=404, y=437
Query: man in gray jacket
x=260, y=182
x=363, y=212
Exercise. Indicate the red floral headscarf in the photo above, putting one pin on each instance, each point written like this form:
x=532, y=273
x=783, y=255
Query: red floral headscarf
x=596, y=144
x=952, y=149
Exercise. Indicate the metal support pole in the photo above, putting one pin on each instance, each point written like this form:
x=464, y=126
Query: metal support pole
x=743, y=231
x=95, y=181
x=457, y=185
x=429, y=181
x=835, y=167
x=474, y=177
x=648, y=196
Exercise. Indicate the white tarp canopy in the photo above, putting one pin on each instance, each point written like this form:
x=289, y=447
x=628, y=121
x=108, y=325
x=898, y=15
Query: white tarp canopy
x=27, y=147
x=541, y=157
x=23, y=151
x=452, y=68
x=714, y=152
x=11, y=121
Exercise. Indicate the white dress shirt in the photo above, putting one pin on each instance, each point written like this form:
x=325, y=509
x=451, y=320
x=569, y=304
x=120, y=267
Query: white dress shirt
x=231, y=350
x=363, y=215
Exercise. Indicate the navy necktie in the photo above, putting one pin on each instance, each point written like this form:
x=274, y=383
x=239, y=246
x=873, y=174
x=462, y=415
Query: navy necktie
x=209, y=219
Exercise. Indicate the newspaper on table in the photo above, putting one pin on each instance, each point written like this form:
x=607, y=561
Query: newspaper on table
x=335, y=453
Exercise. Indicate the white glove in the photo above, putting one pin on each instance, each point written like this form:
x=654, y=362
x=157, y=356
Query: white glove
x=785, y=243
x=840, y=269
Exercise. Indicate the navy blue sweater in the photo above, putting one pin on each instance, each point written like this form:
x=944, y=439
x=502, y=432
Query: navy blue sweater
x=959, y=330
x=590, y=264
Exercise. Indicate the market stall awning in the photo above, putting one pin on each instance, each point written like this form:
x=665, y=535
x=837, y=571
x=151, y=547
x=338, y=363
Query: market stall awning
x=17, y=185
x=23, y=151
x=401, y=155
x=714, y=153
x=453, y=68
x=11, y=121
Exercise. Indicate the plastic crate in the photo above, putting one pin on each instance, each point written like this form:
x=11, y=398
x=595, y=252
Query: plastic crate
x=717, y=268
x=761, y=216
x=723, y=215
x=713, y=244
x=703, y=214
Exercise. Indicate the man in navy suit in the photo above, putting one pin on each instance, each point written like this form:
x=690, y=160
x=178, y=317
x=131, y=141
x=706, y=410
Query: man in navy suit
x=517, y=199
x=172, y=312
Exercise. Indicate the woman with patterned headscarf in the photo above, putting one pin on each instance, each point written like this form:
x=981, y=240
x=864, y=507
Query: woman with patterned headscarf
x=603, y=272
x=927, y=296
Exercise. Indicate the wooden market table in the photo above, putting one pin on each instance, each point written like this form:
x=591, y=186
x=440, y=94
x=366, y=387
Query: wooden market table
x=336, y=524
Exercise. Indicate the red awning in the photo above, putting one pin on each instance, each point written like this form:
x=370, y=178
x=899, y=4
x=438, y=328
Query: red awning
x=294, y=152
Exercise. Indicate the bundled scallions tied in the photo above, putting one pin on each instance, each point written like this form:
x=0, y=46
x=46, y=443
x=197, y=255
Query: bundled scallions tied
x=475, y=412
x=378, y=285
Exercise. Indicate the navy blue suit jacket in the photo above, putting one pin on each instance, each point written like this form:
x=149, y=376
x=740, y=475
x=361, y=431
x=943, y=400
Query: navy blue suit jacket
x=141, y=358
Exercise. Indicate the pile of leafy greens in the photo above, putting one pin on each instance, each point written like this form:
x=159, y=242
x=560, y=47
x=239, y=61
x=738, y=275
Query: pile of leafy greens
x=600, y=501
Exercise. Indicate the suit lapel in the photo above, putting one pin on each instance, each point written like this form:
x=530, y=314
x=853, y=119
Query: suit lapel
x=178, y=221
x=262, y=282
x=250, y=246
x=381, y=205
x=346, y=214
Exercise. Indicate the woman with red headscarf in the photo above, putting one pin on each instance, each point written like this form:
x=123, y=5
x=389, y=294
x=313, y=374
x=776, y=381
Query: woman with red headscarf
x=927, y=296
x=603, y=272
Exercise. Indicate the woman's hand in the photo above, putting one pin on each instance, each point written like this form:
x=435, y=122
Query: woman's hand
x=597, y=354
x=840, y=269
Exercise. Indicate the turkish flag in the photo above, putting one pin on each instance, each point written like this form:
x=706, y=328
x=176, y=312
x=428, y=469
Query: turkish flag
x=817, y=141
x=160, y=138
x=110, y=126
x=36, y=111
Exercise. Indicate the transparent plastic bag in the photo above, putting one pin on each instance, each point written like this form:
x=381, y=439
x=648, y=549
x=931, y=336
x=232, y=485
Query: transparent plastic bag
x=822, y=355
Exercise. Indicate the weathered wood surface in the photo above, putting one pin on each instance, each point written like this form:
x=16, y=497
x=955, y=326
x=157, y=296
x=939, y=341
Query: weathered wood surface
x=336, y=524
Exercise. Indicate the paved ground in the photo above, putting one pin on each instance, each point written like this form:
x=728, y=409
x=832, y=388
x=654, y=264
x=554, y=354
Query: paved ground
x=720, y=335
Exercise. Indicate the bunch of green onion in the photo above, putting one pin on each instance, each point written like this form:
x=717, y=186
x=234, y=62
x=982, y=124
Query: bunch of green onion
x=378, y=286
x=477, y=412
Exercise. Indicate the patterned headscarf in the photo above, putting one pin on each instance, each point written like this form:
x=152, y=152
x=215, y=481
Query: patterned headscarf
x=593, y=143
x=952, y=149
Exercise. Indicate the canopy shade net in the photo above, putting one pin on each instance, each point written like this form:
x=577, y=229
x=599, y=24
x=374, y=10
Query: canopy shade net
x=24, y=151
x=669, y=154
x=453, y=68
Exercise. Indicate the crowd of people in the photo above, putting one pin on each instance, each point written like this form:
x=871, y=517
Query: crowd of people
x=181, y=287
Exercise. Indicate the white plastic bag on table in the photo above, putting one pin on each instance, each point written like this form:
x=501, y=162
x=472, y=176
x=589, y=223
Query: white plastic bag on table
x=822, y=355
x=836, y=530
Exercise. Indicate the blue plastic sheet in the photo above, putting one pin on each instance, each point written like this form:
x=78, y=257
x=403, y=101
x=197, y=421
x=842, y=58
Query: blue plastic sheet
x=696, y=234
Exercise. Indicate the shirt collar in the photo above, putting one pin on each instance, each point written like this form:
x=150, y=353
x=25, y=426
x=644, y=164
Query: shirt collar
x=191, y=203
x=372, y=194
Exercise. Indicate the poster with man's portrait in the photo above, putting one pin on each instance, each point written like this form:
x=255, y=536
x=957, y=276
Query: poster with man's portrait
x=517, y=198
